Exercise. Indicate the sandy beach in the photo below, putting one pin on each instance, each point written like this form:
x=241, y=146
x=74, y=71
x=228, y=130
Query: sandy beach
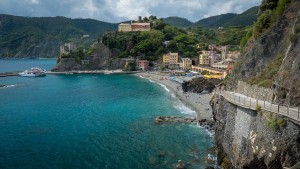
x=197, y=102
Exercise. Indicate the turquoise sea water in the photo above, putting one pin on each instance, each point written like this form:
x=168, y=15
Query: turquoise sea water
x=92, y=121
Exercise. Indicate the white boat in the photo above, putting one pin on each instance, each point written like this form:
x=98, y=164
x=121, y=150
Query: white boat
x=33, y=72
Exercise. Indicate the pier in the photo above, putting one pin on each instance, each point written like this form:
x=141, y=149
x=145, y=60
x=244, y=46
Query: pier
x=15, y=73
x=6, y=74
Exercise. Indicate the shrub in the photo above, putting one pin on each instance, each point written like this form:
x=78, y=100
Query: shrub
x=274, y=122
x=258, y=108
x=270, y=11
x=263, y=22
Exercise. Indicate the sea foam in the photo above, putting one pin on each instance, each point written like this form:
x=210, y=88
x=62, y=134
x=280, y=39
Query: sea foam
x=165, y=87
x=9, y=86
x=183, y=109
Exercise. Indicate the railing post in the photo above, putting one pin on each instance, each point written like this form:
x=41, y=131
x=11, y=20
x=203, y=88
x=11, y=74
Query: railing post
x=250, y=102
x=298, y=113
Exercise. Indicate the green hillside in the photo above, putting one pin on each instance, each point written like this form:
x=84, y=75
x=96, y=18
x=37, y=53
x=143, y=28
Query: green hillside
x=215, y=21
x=246, y=18
x=42, y=36
x=178, y=22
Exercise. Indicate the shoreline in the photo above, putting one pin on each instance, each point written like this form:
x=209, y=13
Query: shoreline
x=196, y=102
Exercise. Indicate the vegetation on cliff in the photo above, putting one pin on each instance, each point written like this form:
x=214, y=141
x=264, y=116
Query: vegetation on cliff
x=269, y=13
x=271, y=52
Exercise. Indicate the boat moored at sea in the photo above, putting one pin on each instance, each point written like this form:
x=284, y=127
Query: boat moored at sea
x=33, y=72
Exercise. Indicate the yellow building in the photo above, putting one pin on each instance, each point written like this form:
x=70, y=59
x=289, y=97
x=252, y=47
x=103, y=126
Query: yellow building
x=186, y=64
x=170, y=58
x=204, y=58
x=124, y=27
x=134, y=27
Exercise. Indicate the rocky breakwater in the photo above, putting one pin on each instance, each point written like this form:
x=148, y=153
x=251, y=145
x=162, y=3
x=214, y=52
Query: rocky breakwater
x=208, y=124
x=199, y=85
x=173, y=119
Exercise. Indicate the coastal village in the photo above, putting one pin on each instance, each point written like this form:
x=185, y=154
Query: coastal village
x=215, y=62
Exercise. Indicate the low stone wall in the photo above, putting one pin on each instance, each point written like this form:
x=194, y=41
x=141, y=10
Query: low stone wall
x=255, y=91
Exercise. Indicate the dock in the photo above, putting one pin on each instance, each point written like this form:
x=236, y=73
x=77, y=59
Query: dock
x=15, y=73
x=6, y=74
x=91, y=72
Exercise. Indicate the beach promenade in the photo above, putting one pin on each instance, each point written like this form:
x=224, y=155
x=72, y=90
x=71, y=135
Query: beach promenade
x=197, y=102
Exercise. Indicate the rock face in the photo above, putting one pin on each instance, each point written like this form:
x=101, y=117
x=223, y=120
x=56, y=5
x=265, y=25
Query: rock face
x=247, y=139
x=257, y=139
x=102, y=58
x=199, y=85
x=283, y=39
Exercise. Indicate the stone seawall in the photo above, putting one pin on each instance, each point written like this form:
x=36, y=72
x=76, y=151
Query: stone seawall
x=250, y=139
x=255, y=91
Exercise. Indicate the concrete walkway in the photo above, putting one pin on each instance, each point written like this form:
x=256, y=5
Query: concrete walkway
x=251, y=103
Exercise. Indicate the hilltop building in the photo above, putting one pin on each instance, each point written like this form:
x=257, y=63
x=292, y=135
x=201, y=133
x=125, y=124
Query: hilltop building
x=133, y=27
x=67, y=48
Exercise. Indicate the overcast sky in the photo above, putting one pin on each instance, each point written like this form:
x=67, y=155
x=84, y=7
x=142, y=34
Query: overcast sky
x=121, y=10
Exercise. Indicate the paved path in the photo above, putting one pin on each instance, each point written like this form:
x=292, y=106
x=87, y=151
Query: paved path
x=251, y=103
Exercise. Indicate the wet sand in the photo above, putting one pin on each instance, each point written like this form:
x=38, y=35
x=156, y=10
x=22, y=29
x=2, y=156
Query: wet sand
x=197, y=102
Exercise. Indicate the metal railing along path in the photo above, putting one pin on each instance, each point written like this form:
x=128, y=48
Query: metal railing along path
x=251, y=103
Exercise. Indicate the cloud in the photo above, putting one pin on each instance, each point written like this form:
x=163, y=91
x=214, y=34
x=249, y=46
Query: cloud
x=86, y=8
x=34, y=2
x=120, y=10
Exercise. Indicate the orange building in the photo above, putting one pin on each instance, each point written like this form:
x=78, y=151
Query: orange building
x=134, y=27
x=143, y=64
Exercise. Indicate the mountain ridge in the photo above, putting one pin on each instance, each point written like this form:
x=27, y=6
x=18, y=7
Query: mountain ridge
x=246, y=18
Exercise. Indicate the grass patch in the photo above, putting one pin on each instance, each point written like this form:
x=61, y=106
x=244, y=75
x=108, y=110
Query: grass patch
x=275, y=123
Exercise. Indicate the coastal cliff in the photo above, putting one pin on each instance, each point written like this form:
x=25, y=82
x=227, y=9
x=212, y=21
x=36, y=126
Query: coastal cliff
x=100, y=58
x=268, y=70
